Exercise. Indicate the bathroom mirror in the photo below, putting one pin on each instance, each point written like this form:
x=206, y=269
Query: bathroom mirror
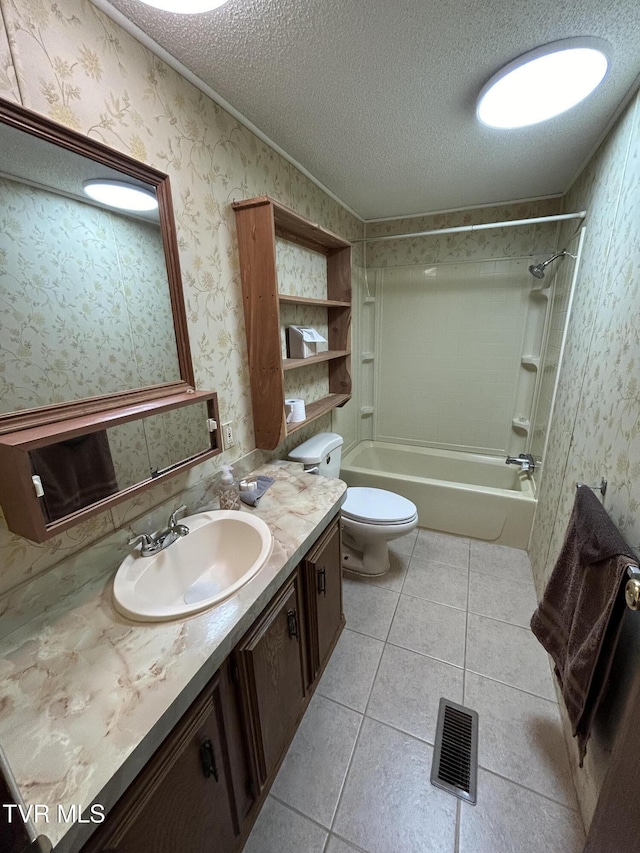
x=53, y=479
x=78, y=472
x=92, y=313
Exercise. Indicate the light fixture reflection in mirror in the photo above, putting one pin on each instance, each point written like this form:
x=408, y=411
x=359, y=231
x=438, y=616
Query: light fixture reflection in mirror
x=78, y=279
x=120, y=195
x=78, y=282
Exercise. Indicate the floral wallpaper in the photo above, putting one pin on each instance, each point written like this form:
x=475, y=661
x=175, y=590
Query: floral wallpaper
x=157, y=442
x=8, y=81
x=302, y=272
x=512, y=242
x=78, y=286
x=72, y=63
x=595, y=430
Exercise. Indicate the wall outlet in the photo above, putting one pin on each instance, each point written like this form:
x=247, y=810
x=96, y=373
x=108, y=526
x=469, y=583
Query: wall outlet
x=227, y=435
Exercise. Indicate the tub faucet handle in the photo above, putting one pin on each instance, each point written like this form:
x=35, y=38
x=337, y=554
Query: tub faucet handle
x=524, y=460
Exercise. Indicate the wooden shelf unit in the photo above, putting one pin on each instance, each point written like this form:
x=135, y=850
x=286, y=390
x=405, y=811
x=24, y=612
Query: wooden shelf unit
x=259, y=222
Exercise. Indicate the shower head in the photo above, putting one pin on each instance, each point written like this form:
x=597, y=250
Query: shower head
x=538, y=269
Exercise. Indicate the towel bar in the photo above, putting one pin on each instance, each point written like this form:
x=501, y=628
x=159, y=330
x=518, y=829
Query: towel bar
x=602, y=487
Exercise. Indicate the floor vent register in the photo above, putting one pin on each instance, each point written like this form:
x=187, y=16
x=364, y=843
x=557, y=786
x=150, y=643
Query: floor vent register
x=455, y=758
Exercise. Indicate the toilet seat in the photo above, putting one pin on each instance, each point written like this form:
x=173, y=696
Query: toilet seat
x=377, y=507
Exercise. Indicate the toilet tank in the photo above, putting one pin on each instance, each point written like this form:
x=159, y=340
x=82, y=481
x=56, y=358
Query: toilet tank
x=322, y=452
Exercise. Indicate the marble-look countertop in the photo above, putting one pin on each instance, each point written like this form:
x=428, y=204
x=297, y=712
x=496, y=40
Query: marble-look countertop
x=88, y=696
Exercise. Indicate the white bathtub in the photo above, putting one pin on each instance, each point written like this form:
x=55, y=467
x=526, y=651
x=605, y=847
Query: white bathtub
x=464, y=493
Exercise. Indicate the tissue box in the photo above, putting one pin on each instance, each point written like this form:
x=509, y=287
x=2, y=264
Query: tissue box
x=305, y=341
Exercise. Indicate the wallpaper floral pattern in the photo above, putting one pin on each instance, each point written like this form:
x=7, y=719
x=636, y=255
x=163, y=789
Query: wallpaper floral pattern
x=73, y=64
x=84, y=298
x=160, y=441
x=492, y=243
x=595, y=430
x=302, y=272
x=8, y=81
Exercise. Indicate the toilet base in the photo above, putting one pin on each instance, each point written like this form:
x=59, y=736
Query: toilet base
x=372, y=561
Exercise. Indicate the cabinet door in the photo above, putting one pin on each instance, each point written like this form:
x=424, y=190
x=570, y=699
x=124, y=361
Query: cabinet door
x=183, y=800
x=272, y=664
x=323, y=571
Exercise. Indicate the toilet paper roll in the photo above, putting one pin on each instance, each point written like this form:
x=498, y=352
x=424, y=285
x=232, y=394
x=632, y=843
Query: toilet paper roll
x=295, y=410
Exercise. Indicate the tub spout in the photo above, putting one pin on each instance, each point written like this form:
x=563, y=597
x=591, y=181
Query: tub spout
x=524, y=460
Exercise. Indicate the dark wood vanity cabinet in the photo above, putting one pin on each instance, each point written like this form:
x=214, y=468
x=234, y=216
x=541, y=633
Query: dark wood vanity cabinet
x=203, y=789
x=185, y=798
x=322, y=568
x=272, y=665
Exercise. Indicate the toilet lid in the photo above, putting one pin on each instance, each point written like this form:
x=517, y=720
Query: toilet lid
x=377, y=506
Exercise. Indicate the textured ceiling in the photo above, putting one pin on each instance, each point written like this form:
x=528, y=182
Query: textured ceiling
x=377, y=100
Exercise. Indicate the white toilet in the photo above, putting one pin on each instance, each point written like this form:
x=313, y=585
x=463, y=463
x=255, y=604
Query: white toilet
x=371, y=518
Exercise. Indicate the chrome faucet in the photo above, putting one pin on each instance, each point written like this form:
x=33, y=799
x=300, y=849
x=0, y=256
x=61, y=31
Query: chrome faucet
x=154, y=542
x=524, y=460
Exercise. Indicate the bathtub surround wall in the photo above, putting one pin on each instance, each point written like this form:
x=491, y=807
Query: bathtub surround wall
x=559, y=282
x=449, y=360
x=72, y=63
x=348, y=420
x=595, y=431
x=459, y=324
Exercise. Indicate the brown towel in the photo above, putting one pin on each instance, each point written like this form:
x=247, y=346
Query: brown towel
x=578, y=620
x=74, y=473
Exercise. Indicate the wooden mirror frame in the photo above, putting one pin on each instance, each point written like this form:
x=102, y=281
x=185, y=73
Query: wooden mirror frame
x=37, y=125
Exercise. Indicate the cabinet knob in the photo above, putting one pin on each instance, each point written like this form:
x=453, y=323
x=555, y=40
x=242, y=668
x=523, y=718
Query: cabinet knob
x=322, y=581
x=292, y=623
x=208, y=759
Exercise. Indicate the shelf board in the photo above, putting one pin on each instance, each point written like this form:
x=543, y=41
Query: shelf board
x=307, y=300
x=289, y=225
x=318, y=408
x=329, y=355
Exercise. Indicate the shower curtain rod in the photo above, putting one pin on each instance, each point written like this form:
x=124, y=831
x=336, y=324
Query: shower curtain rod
x=457, y=229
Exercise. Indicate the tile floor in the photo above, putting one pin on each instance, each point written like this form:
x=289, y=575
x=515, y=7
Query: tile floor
x=449, y=619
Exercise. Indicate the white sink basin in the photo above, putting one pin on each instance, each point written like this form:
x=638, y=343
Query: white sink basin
x=223, y=551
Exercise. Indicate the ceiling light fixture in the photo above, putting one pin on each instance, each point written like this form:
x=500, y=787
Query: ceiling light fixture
x=121, y=195
x=543, y=83
x=185, y=7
